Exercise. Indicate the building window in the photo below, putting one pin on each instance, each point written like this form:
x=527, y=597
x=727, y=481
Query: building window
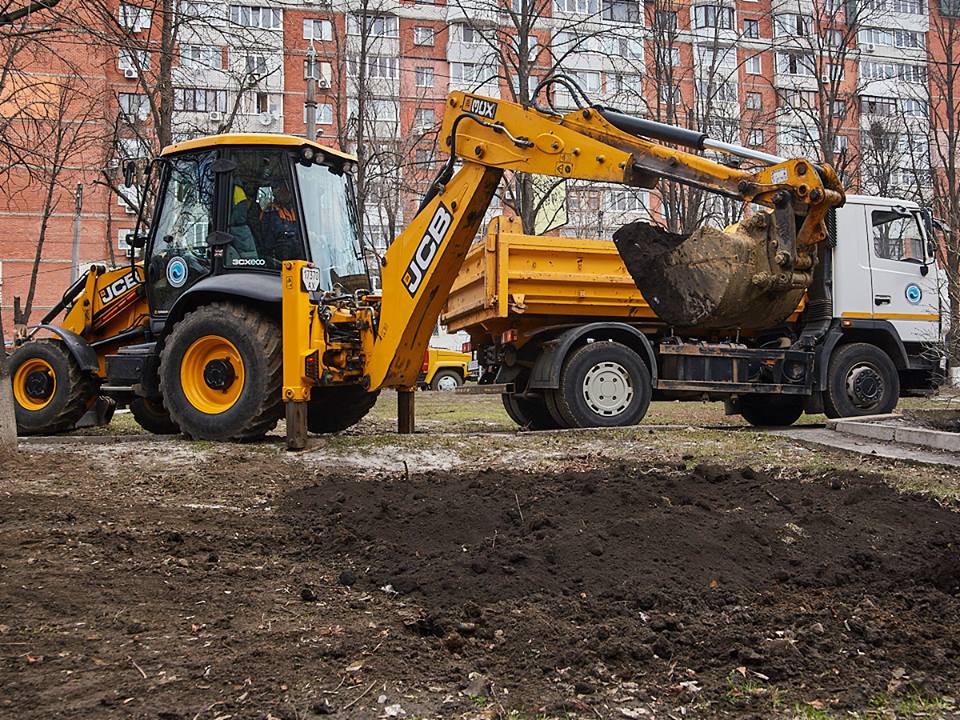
x=752, y=65
x=133, y=59
x=626, y=201
x=950, y=8
x=909, y=39
x=324, y=114
x=206, y=56
x=622, y=11
x=669, y=95
x=913, y=108
x=375, y=25
x=133, y=106
x=317, y=70
x=713, y=16
x=255, y=65
x=199, y=100
x=832, y=38
x=378, y=67
x=755, y=138
x=424, y=76
x=256, y=17
x=792, y=25
x=261, y=103
x=469, y=34
x=717, y=91
x=751, y=29
x=795, y=64
x=909, y=7
x=879, y=106
x=316, y=29
x=840, y=144
x=582, y=7
x=666, y=20
x=424, y=119
x=423, y=35
x=134, y=17
x=753, y=101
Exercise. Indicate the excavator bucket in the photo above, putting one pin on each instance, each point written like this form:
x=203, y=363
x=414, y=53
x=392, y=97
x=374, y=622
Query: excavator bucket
x=712, y=278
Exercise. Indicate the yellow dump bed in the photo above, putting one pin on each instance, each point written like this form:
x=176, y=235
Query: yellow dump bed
x=538, y=279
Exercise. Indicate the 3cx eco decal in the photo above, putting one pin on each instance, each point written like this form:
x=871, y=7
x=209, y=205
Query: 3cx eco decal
x=177, y=272
x=427, y=249
x=480, y=106
x=913, y=294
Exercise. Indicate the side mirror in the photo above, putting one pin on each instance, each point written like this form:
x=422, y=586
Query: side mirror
x=924, y=269
x=136, y=241
x=129, y=173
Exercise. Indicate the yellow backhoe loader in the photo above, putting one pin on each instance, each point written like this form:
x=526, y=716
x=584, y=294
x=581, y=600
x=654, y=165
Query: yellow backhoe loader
x=252, y=298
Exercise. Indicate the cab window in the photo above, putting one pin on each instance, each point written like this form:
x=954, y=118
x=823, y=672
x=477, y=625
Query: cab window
x=179, y=255
x=897, y=236
x=262, y=219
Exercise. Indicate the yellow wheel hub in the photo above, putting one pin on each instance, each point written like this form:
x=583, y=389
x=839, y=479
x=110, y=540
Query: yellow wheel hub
x=211, y=374
x=34, y=384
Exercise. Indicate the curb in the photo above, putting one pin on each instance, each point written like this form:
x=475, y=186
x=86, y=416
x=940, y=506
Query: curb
x=935, y=439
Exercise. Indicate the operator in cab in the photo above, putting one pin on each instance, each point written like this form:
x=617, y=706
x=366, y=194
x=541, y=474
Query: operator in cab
x=279, y=226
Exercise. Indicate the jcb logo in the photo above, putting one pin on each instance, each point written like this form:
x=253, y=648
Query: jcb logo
x=480, y=106
x=118, y=287
x=427, y=249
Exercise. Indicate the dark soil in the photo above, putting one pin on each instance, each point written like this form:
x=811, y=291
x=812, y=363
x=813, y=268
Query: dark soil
x=579, y=591
x=946, y=420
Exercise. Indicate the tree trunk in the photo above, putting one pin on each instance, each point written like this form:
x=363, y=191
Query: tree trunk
x=8, y=422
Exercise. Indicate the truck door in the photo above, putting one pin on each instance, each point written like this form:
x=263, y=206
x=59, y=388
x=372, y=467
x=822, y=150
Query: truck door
x=178, y=254
x=905, y=284
x=852, y=288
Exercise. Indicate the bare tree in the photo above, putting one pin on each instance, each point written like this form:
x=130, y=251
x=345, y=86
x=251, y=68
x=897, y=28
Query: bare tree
x=941, y=96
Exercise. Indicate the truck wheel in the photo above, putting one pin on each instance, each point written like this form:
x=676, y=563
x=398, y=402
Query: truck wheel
x=221, y=371
x=771, y=410
x=332, y=409
x=50, y=391
x=529, y=413
x=152, y=416
x=861, y=380
x=603, y=384
x=445, y=379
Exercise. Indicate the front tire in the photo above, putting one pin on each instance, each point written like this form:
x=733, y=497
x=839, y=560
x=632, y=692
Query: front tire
x=221, y=372
x=603, y=384
x=152, y=416
x=771, y=410
x=50, y=391
x=446, y=380
x=861, y=380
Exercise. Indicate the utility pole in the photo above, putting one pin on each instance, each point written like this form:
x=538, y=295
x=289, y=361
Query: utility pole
x=75, y=256
x=311, y=102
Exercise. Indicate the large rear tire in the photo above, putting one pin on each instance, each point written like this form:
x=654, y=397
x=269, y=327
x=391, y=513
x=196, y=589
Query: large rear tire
x=603, y=384
x=332, y=409
x=221, y=372
x=50, y=391
x=152, y=416
x=771, y=410
x=861, y=380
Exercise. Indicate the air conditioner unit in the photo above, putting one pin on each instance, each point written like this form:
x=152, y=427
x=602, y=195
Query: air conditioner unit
x=215, y=116
x=870, y=47
x=323, y=83
x=130, y=73
x=266, y=118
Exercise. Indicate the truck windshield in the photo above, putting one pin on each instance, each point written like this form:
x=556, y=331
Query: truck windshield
x=331, y=228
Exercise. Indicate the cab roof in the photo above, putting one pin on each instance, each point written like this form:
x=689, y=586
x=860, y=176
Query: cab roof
x=274, y=139
x=877, y=200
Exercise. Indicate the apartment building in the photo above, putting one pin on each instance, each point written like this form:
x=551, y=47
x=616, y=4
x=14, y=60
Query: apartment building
x=844, y=81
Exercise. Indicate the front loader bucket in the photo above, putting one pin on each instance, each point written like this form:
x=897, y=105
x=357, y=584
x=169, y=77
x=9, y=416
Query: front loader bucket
x=712, y=279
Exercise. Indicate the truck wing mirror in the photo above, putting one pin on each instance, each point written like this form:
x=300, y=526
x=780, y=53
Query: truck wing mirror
x=218, y=238
x=136, y=241
x=222, y=165
x=129, y=173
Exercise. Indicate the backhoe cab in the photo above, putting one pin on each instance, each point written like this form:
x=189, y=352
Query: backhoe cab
x=253, y=296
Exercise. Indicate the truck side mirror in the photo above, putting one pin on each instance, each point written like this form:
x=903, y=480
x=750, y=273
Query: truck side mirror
x=129, y=173
x=136, y=241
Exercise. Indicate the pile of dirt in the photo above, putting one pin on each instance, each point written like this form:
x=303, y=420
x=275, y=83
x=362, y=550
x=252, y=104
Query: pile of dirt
x=662, y=578
x=945, y=420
